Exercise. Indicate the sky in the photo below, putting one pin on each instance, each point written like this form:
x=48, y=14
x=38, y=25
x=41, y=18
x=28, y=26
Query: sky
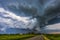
x=13, y=13
x=11, y=20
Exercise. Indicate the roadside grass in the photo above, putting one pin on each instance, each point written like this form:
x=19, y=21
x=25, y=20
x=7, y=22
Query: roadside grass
x=45, y=37
x=15, y=36
x=53, y=36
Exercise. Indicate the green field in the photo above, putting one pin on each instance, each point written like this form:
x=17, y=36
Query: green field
x=16, y=36
x=26, y=36
x=53, y=36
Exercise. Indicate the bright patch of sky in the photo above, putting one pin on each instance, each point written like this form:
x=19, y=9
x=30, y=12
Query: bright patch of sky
x=53, y=27
x=10, y=20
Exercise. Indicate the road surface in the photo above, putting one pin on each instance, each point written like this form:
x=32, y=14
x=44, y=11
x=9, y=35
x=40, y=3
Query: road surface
x=40, y=37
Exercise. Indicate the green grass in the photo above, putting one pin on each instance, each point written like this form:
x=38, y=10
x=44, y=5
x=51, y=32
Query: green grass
x=53, y=36
x=27, y=36
x=16, y=36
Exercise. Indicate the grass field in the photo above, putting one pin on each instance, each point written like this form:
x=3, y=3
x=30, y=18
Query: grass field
x=53, y=36
x=16, y=36
x=26, y=36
